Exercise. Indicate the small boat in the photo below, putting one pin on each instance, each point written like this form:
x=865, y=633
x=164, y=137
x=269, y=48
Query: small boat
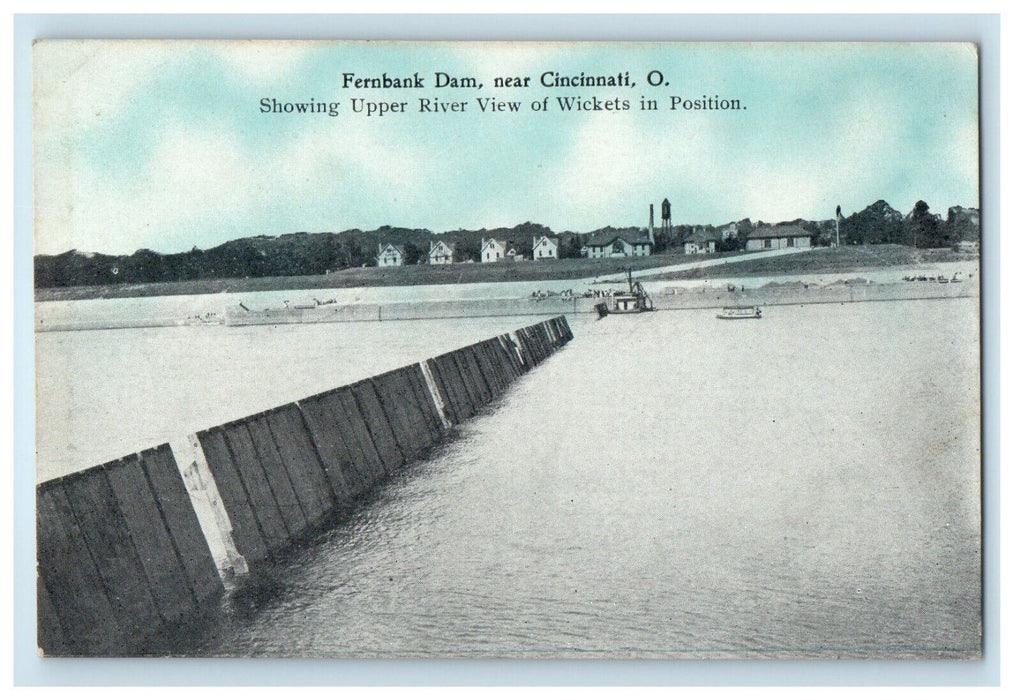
x=734, y=313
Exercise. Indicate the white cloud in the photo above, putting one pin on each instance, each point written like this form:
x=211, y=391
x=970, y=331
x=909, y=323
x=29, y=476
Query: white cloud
x=78, y=83
x=198, y=175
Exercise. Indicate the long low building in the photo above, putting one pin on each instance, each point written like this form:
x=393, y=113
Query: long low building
x=773, y=237
x=614, y=245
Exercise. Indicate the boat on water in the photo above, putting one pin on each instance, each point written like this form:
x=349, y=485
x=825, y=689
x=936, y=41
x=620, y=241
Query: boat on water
x=735, y=313
x=635, y=301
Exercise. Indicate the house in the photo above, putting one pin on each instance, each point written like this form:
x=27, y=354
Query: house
x=544, y=247
x=441, y=254
x=494, y=251
x=727, y=231
x=610, y=244
x=773, y=237
x=701, y=241
x=389, y=256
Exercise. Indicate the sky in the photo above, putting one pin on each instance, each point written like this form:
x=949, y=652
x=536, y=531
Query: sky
x=163, y=144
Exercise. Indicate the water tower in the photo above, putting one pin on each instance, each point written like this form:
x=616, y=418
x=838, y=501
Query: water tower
x=667, y=224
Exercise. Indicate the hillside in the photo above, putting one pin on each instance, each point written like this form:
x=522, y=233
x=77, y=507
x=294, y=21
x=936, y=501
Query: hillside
x=326, y=253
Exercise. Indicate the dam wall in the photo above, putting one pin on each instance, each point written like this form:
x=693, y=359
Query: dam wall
x=121, y=557
x=669, y=298
x=134, y=553
x=796, y=293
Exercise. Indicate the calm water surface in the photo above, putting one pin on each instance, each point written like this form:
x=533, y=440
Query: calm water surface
x=668, y=484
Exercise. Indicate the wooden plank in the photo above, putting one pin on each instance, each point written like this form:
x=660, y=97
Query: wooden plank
x=341, y=474
x=69, y=574
x=248, y=535
x=276, y=476
x=431, y=418
x=485, y=371
x=526, y=348
x=456, y=374
x=353, y=422
x=558, y=328
x=420, y=421
x=451, y=403
x=117, y=562
x=507, y=356
x=554, y=333
x=49, y=633
x=508, y=348
x=378, y=425
x=490, y=370
x=164, y=571
x=537, y=345
x=260, y=494
x=564, y=328
x=541, y=340
x=394, y=404
x=294, y=443
x=485, y=374
x=459, y=374
x=182, y=523
x=476, y=391
x=468, y=356
x=493, y=367
x=446, y=375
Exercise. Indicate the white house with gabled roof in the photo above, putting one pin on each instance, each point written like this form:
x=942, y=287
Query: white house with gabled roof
x=441, y=254
x=389, y=256
x=544, y=247
x=493, y=250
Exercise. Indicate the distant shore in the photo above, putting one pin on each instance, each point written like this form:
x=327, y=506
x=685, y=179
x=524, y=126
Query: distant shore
x=847, y=259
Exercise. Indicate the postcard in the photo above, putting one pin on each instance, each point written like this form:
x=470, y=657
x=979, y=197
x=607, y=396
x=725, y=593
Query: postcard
x=509, y=349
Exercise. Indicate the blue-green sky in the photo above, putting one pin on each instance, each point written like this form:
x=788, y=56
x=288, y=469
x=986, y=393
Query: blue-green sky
x=162, y=145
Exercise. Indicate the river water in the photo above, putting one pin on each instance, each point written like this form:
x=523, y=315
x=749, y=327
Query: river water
x=666, y=485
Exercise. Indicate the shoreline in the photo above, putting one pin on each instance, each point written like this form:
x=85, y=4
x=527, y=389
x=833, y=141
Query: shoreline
x=670, y=299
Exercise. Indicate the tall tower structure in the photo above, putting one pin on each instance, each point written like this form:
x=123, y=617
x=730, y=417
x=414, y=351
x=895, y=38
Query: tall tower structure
x=837, y=218
x=666, y=224
x=652, y=224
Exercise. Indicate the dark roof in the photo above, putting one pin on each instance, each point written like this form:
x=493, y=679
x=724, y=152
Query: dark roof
x=701, y=236
x=779, y=232
x=607, y=237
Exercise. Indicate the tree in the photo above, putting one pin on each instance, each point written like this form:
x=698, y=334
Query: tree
x=925, y=228
x=412, y=254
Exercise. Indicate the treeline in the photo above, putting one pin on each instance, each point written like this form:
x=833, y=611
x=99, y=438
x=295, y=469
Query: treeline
x=318, y=253
x=276, y=256
x=922, y=228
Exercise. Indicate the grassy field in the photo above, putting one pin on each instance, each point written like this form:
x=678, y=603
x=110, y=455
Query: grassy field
x=825, y=260
x=820, y=260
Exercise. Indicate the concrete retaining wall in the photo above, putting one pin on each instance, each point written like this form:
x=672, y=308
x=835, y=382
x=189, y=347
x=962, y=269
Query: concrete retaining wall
x=133, y=552
x=787, y=294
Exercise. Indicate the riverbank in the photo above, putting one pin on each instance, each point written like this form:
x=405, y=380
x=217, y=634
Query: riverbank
x=783, y=291
x=815, y=261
